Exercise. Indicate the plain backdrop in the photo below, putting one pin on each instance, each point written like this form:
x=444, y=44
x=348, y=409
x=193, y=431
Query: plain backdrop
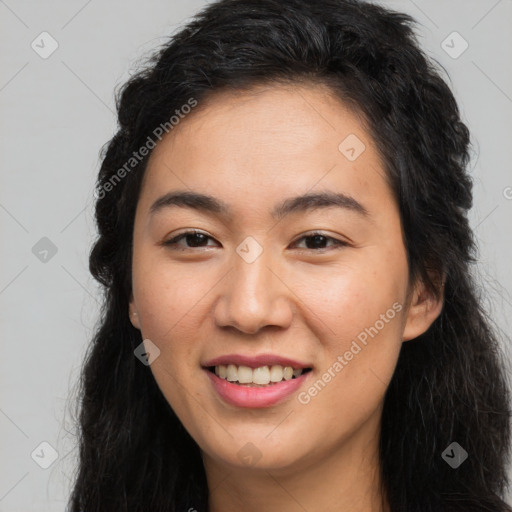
x=58, y=111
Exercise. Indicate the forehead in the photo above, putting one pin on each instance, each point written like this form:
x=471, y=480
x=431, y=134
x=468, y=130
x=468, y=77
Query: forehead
x=255, y=146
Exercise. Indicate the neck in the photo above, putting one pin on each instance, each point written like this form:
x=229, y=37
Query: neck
x=348, y=478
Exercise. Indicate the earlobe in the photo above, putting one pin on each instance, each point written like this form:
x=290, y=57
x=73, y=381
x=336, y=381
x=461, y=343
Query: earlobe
x=134, y=317
x=425, y=307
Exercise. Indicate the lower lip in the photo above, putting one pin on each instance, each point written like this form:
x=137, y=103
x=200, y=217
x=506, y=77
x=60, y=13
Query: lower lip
x=255, y=397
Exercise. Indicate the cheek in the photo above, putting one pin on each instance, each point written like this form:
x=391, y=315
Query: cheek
x=361, y=307
x=352, y=297
x=167, y=300
x=165, y=295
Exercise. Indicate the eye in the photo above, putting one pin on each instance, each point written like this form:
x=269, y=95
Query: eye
x=197, y=239
x=318, y=240
x=194, y=238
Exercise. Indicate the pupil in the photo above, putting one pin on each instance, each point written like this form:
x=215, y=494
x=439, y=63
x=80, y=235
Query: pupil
x=319, y=241
x=196, y=236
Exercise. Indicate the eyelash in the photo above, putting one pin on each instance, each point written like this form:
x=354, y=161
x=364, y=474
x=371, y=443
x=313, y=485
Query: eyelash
x=337, y=243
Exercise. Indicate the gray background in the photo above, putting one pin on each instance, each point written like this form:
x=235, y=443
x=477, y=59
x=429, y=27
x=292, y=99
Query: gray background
x=58, y=112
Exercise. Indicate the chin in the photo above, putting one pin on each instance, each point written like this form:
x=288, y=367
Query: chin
x=256, y=452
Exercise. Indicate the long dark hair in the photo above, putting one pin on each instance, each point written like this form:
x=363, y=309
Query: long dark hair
x=449, y=385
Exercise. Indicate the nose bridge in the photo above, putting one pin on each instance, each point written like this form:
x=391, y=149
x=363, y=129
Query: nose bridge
x=253, y=296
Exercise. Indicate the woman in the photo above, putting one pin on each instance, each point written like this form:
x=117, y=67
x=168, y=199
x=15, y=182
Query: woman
x=290, y=320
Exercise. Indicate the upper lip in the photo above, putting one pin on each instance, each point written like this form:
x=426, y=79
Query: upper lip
x=255, y=361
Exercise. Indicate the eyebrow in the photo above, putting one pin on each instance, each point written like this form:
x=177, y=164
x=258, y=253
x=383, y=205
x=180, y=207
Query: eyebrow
x=303, y=203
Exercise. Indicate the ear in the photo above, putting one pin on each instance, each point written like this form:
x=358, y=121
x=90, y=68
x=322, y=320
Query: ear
x=133, y=313
x=424, y=308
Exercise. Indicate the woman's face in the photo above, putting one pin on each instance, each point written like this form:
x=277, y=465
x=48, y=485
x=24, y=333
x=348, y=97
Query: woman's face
x=257, y=289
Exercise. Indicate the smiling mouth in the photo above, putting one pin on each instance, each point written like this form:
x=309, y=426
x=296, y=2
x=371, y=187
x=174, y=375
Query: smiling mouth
x=262, y=376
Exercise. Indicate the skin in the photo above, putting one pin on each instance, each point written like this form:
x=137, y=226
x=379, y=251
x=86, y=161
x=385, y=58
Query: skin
x=252, y=150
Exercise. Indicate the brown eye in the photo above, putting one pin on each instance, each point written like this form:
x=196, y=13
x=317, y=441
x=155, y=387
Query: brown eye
x=197, y=239
x=317, y=241
x=192, y=239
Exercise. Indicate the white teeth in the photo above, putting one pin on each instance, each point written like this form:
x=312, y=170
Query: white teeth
x=244, y=375
x=232, y=373
x=276, y=373
x=262, y=376
x=287, y=372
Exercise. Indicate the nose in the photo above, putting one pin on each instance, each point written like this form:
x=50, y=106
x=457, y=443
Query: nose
x=254, y=296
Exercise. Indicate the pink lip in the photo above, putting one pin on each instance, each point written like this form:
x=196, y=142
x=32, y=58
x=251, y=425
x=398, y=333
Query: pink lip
x=255, y=361
x=255, y=397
